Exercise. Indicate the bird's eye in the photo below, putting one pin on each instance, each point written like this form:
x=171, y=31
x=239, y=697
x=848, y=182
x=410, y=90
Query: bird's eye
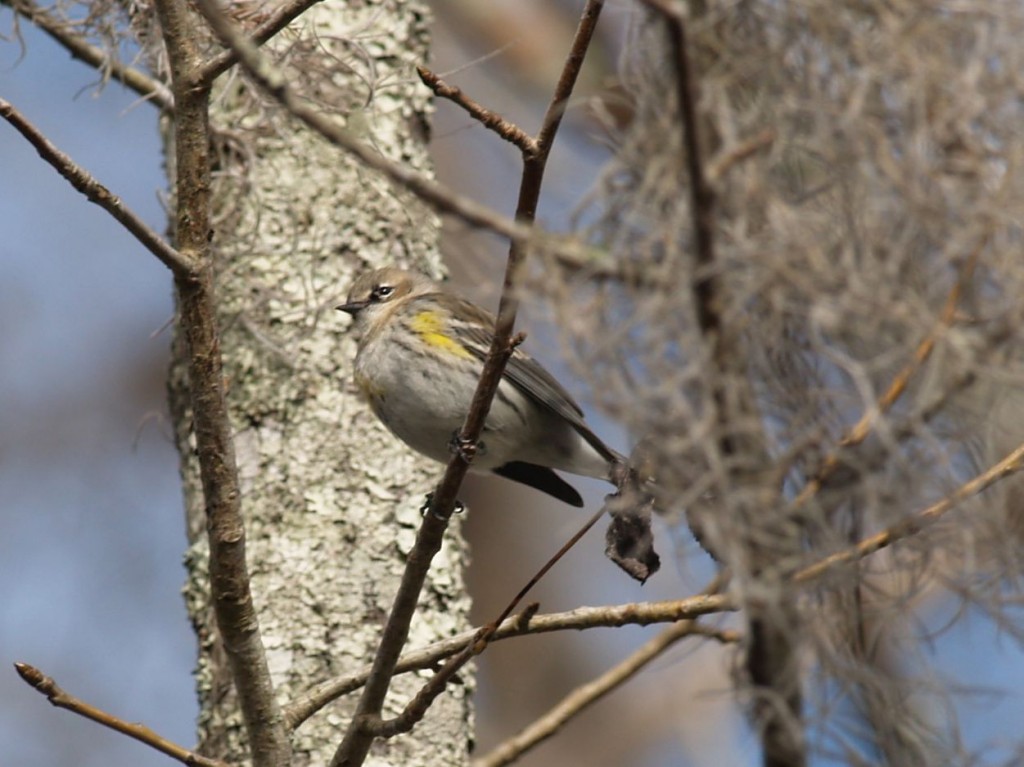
x=381, y=292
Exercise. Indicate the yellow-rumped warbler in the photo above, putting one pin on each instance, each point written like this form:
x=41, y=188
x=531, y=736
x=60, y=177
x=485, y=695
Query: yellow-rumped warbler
x=420, y=356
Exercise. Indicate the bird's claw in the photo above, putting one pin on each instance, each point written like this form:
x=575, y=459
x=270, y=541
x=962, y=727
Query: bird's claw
x=457, y=508
x=466, y=449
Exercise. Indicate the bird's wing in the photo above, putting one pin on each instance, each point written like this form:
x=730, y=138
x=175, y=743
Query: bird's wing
x=524, y=371
x=528, y=375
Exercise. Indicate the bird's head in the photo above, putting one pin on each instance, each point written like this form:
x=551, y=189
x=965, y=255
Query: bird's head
x=376, y=293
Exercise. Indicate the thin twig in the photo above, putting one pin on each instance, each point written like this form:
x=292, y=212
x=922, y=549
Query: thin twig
x=280, y=18
x=149, y=88
x=586, y=695
x=230, y=588
x=59, y=698
x=1011, y=464
x=568, y=251
x=490, y=120
x=95, y=192
x=721, y=164
x=273, y=82
x=857, y=433
x=514, y=603
x=415, y=710
x=580, y=619
x=580, y=699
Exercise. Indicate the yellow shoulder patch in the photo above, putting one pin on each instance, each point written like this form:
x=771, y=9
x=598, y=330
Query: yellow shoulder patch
x=429, y=326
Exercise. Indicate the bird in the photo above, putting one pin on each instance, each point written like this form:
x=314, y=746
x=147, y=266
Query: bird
x=420, y=353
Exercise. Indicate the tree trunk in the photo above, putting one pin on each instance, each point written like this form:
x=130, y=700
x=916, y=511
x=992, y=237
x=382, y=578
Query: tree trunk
x=331, y=501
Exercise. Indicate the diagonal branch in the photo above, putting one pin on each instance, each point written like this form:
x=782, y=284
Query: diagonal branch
x=279, y=18
x=584, y=696
x=524, y=624
x=860, y=430
x=79, y=48
x=45, y=685
x=1011, y=464
x=180, y=264
x=273, y=82
x=357, y=741
x=489, y=119
x=417, y=708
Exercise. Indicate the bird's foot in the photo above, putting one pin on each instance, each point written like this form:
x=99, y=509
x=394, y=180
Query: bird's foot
x=466, y=449
x=428, y=501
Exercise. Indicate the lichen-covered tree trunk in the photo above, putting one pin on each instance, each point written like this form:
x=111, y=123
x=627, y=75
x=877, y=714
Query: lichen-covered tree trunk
x=330, y=501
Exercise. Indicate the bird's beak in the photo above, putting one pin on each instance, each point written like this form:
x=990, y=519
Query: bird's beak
x=353, y=307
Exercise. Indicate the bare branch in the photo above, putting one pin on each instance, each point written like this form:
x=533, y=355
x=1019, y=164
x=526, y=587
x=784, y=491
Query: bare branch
x=860, y=430
x=48, y=687
x=95, y=192
x=721, y=164
x=702, y=197
x=490, y=120
x=586, y=695
x=582, y=618
x=1010, y=465
x=570, y=73
x=280, y=18
x=230, y=589
x=417, y=708
x=149, y=88
x=274, y=84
